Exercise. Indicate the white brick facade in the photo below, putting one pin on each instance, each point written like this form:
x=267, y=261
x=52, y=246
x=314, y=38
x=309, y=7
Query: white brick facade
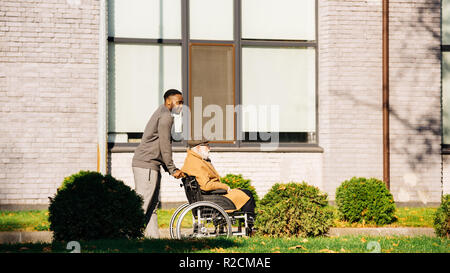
x=48, y=103
x=264, y=170
x=48, y=95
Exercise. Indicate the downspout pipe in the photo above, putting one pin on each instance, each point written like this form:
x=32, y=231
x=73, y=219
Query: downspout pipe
x=386, y=148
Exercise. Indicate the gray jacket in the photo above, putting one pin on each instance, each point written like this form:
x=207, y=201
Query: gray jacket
x=155, y=149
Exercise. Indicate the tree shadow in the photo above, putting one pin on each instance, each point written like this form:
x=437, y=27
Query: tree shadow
x=416, y=136
x=128, y=246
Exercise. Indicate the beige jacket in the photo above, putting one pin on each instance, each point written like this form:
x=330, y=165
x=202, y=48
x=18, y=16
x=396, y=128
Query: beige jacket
x=209, y=179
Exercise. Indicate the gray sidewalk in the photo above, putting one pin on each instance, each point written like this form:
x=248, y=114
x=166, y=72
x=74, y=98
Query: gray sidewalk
x=12, y=237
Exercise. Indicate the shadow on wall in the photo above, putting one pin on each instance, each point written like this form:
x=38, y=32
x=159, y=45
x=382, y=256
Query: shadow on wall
x=419, y=134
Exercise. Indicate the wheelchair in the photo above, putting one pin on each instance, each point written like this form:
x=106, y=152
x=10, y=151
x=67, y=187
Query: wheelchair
x=207, y=214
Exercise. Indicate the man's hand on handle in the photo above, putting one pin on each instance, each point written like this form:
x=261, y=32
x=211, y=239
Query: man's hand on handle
x=178, y=174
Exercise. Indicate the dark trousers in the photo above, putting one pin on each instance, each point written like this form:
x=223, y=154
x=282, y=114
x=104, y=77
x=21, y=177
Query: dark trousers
x=249, y=207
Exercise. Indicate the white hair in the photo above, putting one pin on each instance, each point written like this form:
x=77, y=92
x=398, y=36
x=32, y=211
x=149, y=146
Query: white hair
x=202, y=152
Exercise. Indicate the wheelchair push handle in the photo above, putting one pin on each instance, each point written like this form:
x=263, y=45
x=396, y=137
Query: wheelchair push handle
x=184, y=176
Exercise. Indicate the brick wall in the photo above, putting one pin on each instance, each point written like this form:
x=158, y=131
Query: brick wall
x=264, y=170
x=350, y=117
x=350, y=95
x=48, y=95
x=415, y=88
x=446, y=174
x=350, y=106
x=48, y=102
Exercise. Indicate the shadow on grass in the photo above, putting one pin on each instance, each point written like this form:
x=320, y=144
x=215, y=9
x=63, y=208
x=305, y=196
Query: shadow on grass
x=126, y=246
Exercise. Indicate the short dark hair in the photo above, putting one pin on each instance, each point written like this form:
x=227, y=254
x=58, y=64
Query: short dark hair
x=171, y=92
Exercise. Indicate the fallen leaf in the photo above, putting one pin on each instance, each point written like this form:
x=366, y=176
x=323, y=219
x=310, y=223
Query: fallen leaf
x=167, y=247
x=47, y=249
x=389, y=250
x=363, y=240
x=297, y=246
x=305, y=240
x=219, y=250
x=263, y=243
x=276, y=252
x=327, y=250
x=395, y=244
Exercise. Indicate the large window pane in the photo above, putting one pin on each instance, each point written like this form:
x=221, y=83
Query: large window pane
x=211, y=19
x=278, y=78
x=446, y=22
x=278, y=19
x=212, y=90
x=138, y=78
x=145, y=18
x=446, y=96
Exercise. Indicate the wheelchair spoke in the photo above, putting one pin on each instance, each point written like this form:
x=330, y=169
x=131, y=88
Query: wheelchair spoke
x=207, y=220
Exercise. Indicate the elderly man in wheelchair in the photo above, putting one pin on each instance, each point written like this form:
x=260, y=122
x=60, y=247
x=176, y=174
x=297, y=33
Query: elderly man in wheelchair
x=213, y=208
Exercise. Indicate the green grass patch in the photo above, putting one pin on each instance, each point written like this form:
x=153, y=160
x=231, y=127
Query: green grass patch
x=406, y=217
x=37, y=220
x=32, y=220
x=345, y=244
x=164, y=216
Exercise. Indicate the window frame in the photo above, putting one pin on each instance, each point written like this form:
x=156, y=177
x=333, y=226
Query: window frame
x=238, y=42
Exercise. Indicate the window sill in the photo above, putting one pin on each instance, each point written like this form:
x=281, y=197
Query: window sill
x=130, y=147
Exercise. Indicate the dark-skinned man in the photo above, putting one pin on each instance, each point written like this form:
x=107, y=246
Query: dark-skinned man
x=155, y=151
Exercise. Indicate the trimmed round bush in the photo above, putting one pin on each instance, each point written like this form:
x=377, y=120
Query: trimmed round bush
x=362, y=200
x=442, y=218
x=293, y=209
x=238, y=182
x=90, y=206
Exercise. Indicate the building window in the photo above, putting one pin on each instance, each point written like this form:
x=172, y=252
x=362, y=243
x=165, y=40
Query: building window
x=247, y=68
x=288, y=72
x=212, y=89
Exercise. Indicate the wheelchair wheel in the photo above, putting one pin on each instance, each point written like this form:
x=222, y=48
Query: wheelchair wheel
x=172, y=227
x=203, y=219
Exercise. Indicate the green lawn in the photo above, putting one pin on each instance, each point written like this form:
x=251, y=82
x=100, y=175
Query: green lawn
x=37, y=220
x=406, y=217
x=32, y=220
x=345, y=244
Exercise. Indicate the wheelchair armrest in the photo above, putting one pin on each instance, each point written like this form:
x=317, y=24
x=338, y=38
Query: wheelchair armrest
x=217, y=192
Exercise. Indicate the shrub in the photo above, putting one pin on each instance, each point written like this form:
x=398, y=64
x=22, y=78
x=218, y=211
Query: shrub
x=365, y=200
x=442, y=218
x=293, y=209
x=237, y=181
x=91, y=206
